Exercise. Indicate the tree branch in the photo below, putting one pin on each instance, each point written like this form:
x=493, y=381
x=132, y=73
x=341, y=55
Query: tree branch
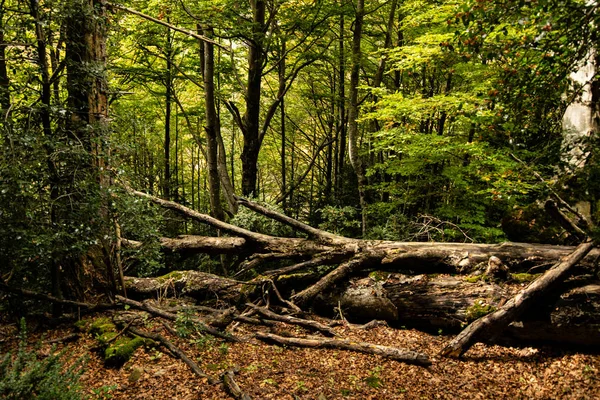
x=172, y=27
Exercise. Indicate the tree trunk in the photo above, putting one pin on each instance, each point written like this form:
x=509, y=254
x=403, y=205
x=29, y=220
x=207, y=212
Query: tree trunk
x=4, y=80
x=88, y=122
x=168, y=103
x=212, y=128
x=353, y=147
x=251, y=119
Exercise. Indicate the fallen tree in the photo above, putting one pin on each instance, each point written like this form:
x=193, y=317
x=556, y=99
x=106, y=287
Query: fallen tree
x=295, y=266
x=571, y=315
x=330, y=249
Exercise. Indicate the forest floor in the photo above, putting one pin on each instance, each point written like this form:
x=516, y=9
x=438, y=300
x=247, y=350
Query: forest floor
x=272, y=372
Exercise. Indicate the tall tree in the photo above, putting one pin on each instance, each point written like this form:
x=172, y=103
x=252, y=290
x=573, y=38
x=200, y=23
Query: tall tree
x=353, y=133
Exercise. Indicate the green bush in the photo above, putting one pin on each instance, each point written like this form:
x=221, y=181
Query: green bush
x=24, y=376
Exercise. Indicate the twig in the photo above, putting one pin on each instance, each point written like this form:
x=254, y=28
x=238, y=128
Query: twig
x=314, y=325
x=176, y=351
x=122, y=331
x=232, y=387
x=394, y=353
x=167, y=315
x=68, y=338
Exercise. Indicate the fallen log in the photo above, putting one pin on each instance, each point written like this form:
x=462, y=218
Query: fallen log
x=341, y=272
x=407, y=356
x=494, y=323
x=406, y=257
x=199, y=285
x=434, y=303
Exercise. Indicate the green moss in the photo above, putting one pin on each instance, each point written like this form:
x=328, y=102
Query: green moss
x=82, y=325
x=174, y=275
x=101, y=326
x=106, y=337
x=478, y=310
x=378, y=276
x=122, y=349
x=524, y=277
x=475, y=278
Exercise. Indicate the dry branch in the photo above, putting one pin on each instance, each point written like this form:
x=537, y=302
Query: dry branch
x=305, y=323
x=175, y=350
x=52, y=299
x=407, y=356
x=284, y=219
x=203, y=218
x=497, y=321
x=341, y=272
x=232, y=387
x=167, y=315
x=325, y=259
x=172, y=27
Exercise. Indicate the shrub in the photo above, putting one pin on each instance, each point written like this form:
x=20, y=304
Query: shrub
x=24, y=376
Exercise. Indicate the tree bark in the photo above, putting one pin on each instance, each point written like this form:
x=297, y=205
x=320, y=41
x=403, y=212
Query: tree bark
x=496, y=322
x=402, y=355
x=213, y=127
x=353, y=146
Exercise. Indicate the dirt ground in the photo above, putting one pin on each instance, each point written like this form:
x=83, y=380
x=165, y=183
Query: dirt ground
x=273, y=372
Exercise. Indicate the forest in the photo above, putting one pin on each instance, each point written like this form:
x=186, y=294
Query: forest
x=299, y=199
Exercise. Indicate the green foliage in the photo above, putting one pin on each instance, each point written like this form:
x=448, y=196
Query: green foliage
x=139, y=220
x=374, y=380
x=340, y=220
x=250, y=220
x=24, y=376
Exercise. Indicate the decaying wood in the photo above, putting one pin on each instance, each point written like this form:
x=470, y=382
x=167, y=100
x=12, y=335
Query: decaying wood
x=199, y=285
x=176, y=351
x=173, y=317
x=305, y=323
x=407, y=356
x=232, y=387
x=341, y=272
x=196, y=244
x=435, y=302
x=493, y=324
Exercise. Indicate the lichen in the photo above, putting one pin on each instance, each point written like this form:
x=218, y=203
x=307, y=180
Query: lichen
x=478, y=310
x=122, y=349
x=524, y=277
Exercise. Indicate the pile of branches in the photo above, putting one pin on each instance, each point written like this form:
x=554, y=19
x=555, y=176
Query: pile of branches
x=361, y=280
